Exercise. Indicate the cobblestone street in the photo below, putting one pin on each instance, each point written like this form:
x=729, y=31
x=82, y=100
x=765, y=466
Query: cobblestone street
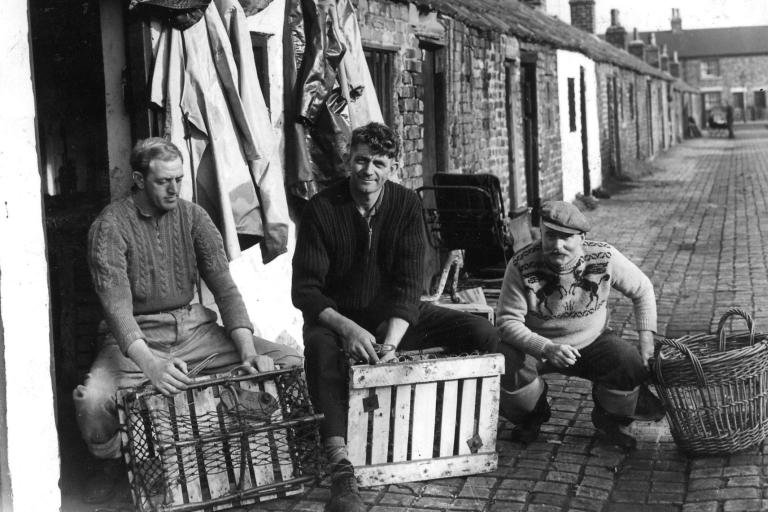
x=694, y=227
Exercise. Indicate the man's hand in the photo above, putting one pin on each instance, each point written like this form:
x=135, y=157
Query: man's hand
x=358, y=343
x=646, y=347
x=561, y=356
x=257, y=363
x=169, y=376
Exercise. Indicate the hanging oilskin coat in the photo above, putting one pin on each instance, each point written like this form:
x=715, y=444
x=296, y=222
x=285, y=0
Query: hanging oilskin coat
x=323, y=55
x=205, y=80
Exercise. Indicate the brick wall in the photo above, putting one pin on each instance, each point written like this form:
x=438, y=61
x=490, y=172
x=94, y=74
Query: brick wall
x=475, y=123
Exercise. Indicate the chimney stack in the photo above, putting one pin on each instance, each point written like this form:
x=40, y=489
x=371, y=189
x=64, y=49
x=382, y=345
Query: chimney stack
x=583, y=15
x=676, y=22
x=652, y=51
x=637, y=46
x=616, y=34
x=664, y=59
x=539, y=5
x=674, y=66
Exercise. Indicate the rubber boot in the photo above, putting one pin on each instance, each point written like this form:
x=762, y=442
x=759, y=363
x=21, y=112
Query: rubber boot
x=528, y=425
x=613, y=425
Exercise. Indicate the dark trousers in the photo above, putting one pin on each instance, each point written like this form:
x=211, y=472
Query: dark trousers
x=327, y=367
x=609, y=360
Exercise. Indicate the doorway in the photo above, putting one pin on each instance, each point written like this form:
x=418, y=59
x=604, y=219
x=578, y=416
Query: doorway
x=530, y=136
x=584, y=134
x=435, y=154
x=509, y=97
x=614, y=146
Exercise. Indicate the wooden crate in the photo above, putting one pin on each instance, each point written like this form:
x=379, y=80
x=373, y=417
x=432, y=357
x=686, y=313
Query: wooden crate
x=198, y=451
x=423, y=419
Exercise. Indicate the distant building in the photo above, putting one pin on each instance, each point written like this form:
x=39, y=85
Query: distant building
x=728, y=65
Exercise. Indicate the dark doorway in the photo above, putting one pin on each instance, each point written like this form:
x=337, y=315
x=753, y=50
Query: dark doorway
x=737, y=100
x=71, y=127
x=584, y=134
x=530, y=136
x=434, y=156
x=649, y=110
x=614, y=162
x=509, y=97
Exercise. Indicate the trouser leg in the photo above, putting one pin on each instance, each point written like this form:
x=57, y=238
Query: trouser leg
x=456, y=330
x=326, y=369
x=523, y=398
x=616, y=369
x=95, y=401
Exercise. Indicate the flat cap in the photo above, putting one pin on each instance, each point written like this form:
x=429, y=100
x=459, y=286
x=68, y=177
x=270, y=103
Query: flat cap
x=564, y=217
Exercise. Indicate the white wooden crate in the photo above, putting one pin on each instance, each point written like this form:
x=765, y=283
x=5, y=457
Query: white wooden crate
x=424, y=419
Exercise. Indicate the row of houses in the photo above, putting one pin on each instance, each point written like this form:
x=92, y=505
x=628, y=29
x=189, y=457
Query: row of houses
x=471, y=86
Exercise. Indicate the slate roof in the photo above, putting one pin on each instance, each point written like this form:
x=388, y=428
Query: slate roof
x=713, y=42
x=515, y=18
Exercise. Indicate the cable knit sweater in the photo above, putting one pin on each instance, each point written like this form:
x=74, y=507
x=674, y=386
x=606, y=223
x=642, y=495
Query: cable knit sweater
x=141, y=264
x=539, y=305
x=340, y=264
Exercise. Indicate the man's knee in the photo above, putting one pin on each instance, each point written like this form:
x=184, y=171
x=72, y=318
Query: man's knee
x=95, y=407
x=482, y=334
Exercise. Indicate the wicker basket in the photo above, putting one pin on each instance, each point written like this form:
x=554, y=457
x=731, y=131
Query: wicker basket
x=716, y=399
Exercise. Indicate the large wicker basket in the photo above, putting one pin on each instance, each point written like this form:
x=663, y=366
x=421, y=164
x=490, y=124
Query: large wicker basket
x=715, y=389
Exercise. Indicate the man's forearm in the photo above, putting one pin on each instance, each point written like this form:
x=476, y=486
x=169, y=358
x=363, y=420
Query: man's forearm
x=243, y=340
x=140, y=354
x=396, y=328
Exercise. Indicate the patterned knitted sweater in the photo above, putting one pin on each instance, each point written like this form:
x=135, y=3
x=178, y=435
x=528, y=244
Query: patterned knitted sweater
x=539, y=305
x=142, y=264
x=365, y=274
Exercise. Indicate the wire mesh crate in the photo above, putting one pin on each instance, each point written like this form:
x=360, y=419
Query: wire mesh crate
x=227, y=441
x=424, y=417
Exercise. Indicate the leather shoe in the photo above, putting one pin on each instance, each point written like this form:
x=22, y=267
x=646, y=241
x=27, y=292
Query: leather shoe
x=345, y=496
x=103, y=480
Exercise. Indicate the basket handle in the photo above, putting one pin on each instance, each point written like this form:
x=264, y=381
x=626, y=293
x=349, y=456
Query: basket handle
x=695, y=363
x=735, y=312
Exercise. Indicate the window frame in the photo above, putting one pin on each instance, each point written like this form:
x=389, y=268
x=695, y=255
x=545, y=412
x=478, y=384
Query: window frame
x=381, y=66
x=707, y=66
x=572, y=104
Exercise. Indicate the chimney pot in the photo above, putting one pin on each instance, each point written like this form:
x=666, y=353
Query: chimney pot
x=616, y=34
x=676, y=22
x=615, y=18
x=636, y=47
x=652, y=52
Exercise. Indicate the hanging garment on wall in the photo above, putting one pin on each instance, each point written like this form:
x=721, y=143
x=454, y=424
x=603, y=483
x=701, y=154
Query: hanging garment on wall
x=205, y=80
x=326, y=75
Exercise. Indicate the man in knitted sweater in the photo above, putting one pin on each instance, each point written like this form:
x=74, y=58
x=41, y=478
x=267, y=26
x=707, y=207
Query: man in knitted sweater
x=145, y=254
x=357, y=277
x=552, y=315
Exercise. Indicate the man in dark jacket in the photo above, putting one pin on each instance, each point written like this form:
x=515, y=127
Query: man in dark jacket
x=357, y=278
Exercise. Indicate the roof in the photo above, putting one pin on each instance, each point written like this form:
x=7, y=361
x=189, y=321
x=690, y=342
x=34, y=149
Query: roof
x=515, y=18
x=714, y=42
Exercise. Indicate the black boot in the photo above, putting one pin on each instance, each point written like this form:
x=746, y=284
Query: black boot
x=613, y=428
x=345, y=496
x=527, y=428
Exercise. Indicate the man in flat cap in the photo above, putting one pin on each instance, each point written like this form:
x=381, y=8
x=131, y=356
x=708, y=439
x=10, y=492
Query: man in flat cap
x=552, y=315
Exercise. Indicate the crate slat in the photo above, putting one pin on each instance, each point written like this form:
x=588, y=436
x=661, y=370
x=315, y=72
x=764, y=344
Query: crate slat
x=158, y=412
x=380, y=437
x=263, y=473
x=414, y=471
x=218, y=482
x=448, y=420
x=281, y=438
x=467, y=422
x=431, y=370
x=188, y=455
x=489, y=412
x=424, y=402
x=357, y=428
x=402, y=422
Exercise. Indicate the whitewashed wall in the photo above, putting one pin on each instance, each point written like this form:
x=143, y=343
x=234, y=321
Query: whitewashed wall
x=33, y=457
x=568, y=66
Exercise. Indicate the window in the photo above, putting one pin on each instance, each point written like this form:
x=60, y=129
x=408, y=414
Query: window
x=572, y=103
x=631, y=98
x=549, y=105
x=259, y=45
x=381, y=67
x=621, y=101
x=710, y=68
x=712, y=100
